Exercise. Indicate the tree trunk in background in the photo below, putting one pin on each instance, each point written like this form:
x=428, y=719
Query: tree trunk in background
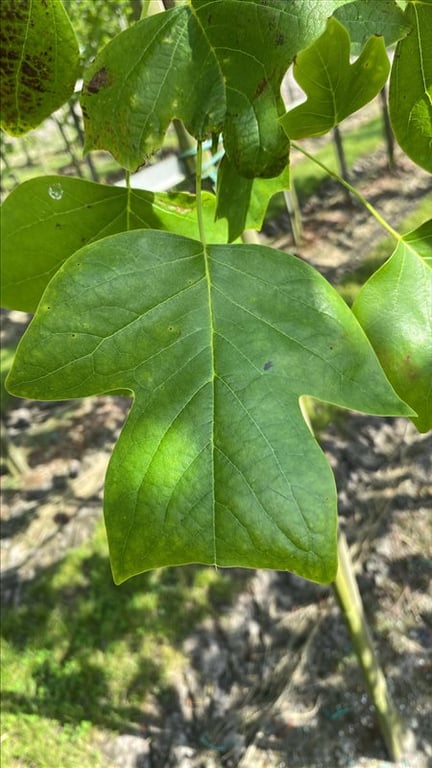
x=388, y=131
x=80, y=134
x=342, y=163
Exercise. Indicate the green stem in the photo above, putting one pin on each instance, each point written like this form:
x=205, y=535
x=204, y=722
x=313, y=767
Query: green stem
x=128, y=201
x=198, y=180
x=353, y=191
x=396, y=737
x=348, y=595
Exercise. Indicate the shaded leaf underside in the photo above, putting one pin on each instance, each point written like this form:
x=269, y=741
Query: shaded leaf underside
x=215, y=463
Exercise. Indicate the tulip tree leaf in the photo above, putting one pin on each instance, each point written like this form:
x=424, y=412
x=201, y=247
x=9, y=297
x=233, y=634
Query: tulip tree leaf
x=45, y=220
x=410, y=93
x=251, y=197
x=215, y=463
x=40, y=62
x=364, y=18
x=335, y=88
x=160, y=68
x=395, y=309
x=216, y=65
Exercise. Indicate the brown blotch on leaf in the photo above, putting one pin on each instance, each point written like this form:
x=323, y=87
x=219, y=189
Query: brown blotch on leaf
x=98, y=81
x=262, y=85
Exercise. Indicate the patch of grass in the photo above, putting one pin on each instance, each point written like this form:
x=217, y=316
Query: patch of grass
x=30, y=741
x=350, y=284
x=78, y=649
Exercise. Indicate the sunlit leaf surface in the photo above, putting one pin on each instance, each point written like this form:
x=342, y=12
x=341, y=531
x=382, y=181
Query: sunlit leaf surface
x=215, y=463
x=410, y=95
x=335, y=88
x=395, y=309
x=45, y=220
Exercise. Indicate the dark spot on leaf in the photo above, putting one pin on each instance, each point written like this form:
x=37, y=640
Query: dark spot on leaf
x=98, y=81
x=280, y=39
x=58, y=226
x=262, y=85
x=410, y=370
x=268, y=365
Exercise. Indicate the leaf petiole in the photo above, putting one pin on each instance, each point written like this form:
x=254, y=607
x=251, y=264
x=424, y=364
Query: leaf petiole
x=353, y=191
x=128, y=201
x=198, y=182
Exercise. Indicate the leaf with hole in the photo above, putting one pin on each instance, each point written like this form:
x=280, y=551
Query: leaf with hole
x=45, y=220
x=395, y=309
x=40, y=62
x=335, y=88
x=215, y=463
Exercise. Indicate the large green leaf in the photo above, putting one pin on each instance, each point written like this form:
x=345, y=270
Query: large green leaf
x=215, y=463
x=410, y=94
x=158, y=69
x=40, y=62
x=335, y=88
x=395, y=309
x=251, y=197
x=255, y=44
x=216, y=65
x=364, y=18
x=47, y=219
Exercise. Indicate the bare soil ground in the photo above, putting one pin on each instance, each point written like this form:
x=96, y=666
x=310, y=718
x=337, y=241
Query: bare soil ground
x=271, y=681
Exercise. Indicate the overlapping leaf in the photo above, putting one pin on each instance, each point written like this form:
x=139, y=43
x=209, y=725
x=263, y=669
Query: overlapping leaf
x=216, y=65
x=251, y=197
x=47, y=219
x=158, y=69
x=410, y=95
x=39, y=62
x=335, y=88
x=215, y=463
x=395, y=309
x=364, y=18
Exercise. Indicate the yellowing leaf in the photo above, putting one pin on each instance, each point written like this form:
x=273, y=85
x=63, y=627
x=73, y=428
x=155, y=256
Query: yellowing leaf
x=40, y=62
